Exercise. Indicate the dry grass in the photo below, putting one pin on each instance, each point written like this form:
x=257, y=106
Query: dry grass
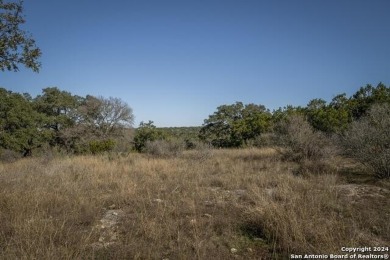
x=190, y=207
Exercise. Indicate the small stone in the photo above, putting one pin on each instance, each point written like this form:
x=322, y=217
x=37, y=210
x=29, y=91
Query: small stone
x=208, y=203
x=233, y=250
x=240, y=193
x=158, y=200
x=97, y=246
x=113, y=206
x=270, y=192
x=207, y=215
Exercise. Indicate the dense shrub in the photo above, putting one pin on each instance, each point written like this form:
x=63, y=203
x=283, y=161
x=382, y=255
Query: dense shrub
x=300, y=141
x=9, y=156
x=264, y=140
x=234, y=125
x=368, y=140
x=201, y=151
x=164, y=148
x=146, y=133
x=100, y=146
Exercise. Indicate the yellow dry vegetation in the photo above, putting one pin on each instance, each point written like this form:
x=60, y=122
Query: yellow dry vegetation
x=241, y=204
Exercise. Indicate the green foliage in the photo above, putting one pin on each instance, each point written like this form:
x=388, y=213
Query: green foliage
x=146, y=132
x=62, y=110
x=190, y=135
x=233, y=125
x=21, y=127
x=336, y=116
x=366, y=96
x=16, y=46
x=59, y=119
x=281, y=114
x=59, y=107
x=76, y=121
x=332, y=118
x=101, y=146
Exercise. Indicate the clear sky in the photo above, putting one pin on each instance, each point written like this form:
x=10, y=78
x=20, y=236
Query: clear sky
x=175, y=62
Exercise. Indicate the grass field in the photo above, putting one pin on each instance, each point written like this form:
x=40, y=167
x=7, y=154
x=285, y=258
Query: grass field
x=224, y=204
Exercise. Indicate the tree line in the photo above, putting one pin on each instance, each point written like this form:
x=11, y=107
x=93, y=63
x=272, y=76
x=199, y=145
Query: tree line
x=89, y=124
x=235, y=125
x=57, y=118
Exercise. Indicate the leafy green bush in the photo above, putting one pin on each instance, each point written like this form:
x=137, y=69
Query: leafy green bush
x=146, y=132
x=101, y=146
x=234, y=125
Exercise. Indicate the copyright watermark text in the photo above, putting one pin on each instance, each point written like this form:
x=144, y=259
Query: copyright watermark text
x=349, y=253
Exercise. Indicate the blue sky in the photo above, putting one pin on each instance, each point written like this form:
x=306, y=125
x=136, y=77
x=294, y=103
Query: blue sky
x=175, y=62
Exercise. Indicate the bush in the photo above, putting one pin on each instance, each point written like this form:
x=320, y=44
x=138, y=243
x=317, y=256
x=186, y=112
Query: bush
x=264, y=140
x=146, y=132
x=201, y=151
x=368, y=140
x=164, y=148
x=301, y=141
x=100, y=146
x=313, y=167
x=9, y=156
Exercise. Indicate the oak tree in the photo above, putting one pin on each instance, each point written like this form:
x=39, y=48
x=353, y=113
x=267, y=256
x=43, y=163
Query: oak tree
x=21, y=127
x=233, y=125
x=16, y=45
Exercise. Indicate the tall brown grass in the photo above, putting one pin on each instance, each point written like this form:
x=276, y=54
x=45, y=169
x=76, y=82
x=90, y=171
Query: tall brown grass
x=243, y=204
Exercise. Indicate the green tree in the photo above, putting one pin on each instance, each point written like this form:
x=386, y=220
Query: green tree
x=365, y=97
x=256, y=119
x=60, y=109
x=336, y=116
x=16, y=46
x=146, y=132
x=282, y=114
x=233, y=125
x=329, y=118
x=340, y=115
x=96, y=120
x=21, y=127
x=77, y=121
x=59, y=106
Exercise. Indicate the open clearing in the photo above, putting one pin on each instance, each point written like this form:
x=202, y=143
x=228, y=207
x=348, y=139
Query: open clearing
x=226, y=204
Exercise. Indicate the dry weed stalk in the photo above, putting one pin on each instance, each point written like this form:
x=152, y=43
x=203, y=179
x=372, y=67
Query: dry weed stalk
x=247, y=200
